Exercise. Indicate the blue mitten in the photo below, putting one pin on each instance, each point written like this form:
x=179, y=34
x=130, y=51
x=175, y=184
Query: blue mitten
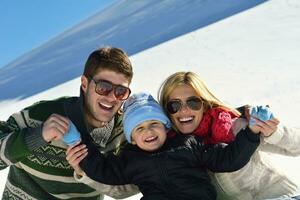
x=263, y=113
x=72, y=136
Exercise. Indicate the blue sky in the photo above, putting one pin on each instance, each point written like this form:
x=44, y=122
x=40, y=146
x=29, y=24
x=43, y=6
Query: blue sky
x=28, y=24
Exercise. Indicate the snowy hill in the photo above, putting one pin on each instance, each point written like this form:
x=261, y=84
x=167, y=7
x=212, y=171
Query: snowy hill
x=132, y=25
x=250, y=57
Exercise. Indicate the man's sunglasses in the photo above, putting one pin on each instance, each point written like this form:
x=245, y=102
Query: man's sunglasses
x=192, y=102
x=104, y=87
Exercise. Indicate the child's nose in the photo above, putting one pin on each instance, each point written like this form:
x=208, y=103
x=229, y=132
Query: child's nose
x=149, y=130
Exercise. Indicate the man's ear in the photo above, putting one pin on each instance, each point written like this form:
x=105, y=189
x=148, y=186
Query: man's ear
x=84, y=83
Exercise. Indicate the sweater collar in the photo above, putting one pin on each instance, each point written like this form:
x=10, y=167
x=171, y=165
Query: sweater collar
x=101, y=135
x=74, y=111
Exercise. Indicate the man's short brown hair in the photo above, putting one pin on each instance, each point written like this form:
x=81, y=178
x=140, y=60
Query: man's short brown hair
x=110, y=58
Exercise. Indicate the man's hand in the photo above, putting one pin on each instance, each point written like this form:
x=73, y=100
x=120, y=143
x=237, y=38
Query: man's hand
x=55, y=127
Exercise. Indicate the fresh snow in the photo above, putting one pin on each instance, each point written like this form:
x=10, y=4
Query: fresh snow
x=247, y=58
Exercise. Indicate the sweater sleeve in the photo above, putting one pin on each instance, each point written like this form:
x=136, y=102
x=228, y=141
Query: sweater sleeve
x=18, y=139
x=107, y=169
x=231, y=157
x=114, y=191
x=284, y=141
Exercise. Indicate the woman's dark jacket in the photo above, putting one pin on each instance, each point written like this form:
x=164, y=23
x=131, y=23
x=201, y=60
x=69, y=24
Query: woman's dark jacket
x=176, y=171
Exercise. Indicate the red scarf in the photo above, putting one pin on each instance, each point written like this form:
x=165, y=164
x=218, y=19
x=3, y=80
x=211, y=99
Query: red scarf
x=215, y=126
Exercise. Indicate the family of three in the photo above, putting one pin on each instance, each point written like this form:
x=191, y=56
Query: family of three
x=186, y=147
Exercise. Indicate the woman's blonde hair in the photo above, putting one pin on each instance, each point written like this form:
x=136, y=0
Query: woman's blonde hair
x=193, y=80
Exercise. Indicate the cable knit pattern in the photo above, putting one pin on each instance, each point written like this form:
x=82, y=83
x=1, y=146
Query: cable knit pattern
x=215, y=126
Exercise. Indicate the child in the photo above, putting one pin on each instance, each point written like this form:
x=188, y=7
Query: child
x=175, y=168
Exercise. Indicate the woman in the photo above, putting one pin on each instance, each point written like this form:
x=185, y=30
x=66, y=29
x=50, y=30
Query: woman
x=258, y=179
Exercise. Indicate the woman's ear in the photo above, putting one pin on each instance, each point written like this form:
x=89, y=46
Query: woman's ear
x=84, y=83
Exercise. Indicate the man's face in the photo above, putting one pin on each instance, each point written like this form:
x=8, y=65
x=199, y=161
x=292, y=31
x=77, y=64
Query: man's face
x=100, y=109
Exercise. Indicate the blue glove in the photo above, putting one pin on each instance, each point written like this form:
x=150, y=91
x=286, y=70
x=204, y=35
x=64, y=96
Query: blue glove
x=263, y=113
x=72, y=136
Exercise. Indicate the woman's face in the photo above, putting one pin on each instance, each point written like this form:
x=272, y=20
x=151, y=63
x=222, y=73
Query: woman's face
x=186, y=120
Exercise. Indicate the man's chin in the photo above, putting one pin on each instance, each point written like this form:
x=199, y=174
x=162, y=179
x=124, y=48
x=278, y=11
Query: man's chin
x=106, y=118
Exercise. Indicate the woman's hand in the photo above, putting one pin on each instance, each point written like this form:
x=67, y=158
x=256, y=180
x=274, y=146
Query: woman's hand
x=74, y=155
x=266, y=128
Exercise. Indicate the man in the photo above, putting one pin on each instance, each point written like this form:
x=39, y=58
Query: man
x=31, y=140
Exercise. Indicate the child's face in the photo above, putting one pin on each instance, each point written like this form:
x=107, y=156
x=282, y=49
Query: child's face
x=149, y=135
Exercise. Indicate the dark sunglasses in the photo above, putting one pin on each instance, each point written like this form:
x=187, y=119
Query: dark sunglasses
x=104, y=87
x=175, y=105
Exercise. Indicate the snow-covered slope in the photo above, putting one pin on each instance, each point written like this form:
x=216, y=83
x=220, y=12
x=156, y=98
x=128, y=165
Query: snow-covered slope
x=250, y=57
x=129, y=24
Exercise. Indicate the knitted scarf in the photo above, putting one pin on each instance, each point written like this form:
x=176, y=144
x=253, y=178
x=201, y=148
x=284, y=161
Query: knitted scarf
x=102, y=135
x=215, y=126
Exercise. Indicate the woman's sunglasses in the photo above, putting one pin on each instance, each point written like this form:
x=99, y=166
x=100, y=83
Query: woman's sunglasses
x=175, y=105
x=104, y=87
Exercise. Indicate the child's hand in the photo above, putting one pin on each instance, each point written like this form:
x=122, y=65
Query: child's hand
x=74, y=155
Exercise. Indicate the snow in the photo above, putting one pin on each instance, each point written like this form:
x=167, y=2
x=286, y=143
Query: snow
x=247, y=58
